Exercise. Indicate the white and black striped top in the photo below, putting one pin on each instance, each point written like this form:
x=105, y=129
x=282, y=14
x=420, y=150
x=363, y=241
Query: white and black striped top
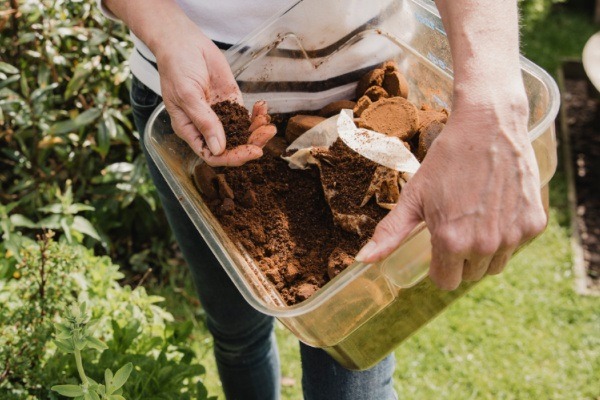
x=284, y=76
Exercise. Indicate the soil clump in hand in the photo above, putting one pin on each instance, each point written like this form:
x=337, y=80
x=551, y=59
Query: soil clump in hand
x=235, y=120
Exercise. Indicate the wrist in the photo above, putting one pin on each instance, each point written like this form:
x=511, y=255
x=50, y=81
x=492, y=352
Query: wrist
x=503, y=97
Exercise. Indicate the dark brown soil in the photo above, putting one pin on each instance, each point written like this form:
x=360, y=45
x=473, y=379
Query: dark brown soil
x=235, y=120
x=281, y=218
x=583, y=119
x=284, y=218
x=348, y=175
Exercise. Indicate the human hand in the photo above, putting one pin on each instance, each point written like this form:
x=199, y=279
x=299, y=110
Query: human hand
x=478, y=191
x=195, y=74
x=261, y=131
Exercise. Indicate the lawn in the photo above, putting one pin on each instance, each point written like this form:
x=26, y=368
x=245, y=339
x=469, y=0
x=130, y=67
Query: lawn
x=524, y=334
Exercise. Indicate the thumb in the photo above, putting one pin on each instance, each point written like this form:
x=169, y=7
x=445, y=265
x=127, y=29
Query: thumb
x=392, y=230
x=207, y=122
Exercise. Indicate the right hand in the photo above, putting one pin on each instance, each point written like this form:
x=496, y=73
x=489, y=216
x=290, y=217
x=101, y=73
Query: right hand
x=193, y=75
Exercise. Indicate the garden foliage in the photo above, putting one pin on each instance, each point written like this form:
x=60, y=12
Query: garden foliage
x=69, y=155
x=128, y=327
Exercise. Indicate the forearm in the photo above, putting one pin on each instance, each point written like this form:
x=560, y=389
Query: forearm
x=484, y=41
x=158, y=23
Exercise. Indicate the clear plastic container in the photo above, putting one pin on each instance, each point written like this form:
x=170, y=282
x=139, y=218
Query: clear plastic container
x=365, y=312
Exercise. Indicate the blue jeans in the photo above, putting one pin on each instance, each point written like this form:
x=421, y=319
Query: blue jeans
x=244, y=344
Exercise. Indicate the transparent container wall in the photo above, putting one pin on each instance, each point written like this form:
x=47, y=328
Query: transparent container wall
x=367, y=310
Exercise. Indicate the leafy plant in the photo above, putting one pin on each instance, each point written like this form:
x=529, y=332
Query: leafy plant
x=72, y=338
x=125, y=322
x=63, y=216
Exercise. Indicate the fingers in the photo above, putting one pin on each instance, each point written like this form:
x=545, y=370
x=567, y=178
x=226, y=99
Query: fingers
x=259, y=120
x=446, y=269
x=186, y=130
x=262, y=135
x=475, y=268
x=234, y=157
x=259, y=108
x=499, y=261
x=207, y=122
x=391, y=230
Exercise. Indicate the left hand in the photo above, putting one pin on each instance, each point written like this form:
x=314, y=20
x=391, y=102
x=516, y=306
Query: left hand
x=478, y=190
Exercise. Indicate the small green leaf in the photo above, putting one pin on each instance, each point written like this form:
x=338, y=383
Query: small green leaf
x=88, y=116
x=108, y=377
x=82, y=71
x=96, y=344
x=64, y=224
x=51, y=222
x=102, y=139
x=55, y=208
x=40, y=92
x=65, y=346
x=9, y=81
x=68, y=390
x=62, y=127
x=121, y=376
x=21, y=221
x=84, y=226
x=7, y=68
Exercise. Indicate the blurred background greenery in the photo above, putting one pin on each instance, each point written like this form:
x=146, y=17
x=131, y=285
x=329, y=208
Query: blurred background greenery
x=70, y=162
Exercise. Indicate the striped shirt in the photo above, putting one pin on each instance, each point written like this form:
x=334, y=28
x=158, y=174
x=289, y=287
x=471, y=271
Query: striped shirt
x=296, y=74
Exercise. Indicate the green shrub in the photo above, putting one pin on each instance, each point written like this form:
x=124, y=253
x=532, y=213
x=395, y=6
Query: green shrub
x=64, y=116
x=52, y=275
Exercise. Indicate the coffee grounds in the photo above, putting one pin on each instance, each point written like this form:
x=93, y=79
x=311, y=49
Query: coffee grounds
x=348, y=175
x=395, y=116
x=287, y=228
x=235, y=120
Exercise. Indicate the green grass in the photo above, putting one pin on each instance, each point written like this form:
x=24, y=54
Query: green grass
x=524, y=334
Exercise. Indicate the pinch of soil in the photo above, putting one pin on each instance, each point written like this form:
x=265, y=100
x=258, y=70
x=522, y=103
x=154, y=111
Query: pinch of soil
x=235, y=120
x=276, y=146
x=395, y=116
x=248, y=199
x=228, y=206
x=205, y=180
x=371, y=78
x=376, y=92
x=335, y=107
x=395, y=84
x=363, y=103
x=299, y=124
x=339, y=260
x=427, y=115
x=291, y=272
x=426, y=137
x=225, y=192
x=305, y=290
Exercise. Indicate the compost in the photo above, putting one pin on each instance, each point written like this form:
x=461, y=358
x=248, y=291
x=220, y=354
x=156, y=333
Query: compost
x=288, y=220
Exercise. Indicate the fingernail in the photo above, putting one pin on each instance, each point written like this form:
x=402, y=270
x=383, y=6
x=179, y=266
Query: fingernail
x=214, y=145
x=367, y=252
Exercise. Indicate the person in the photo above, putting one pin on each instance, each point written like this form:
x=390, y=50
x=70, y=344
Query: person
x=478, y=190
